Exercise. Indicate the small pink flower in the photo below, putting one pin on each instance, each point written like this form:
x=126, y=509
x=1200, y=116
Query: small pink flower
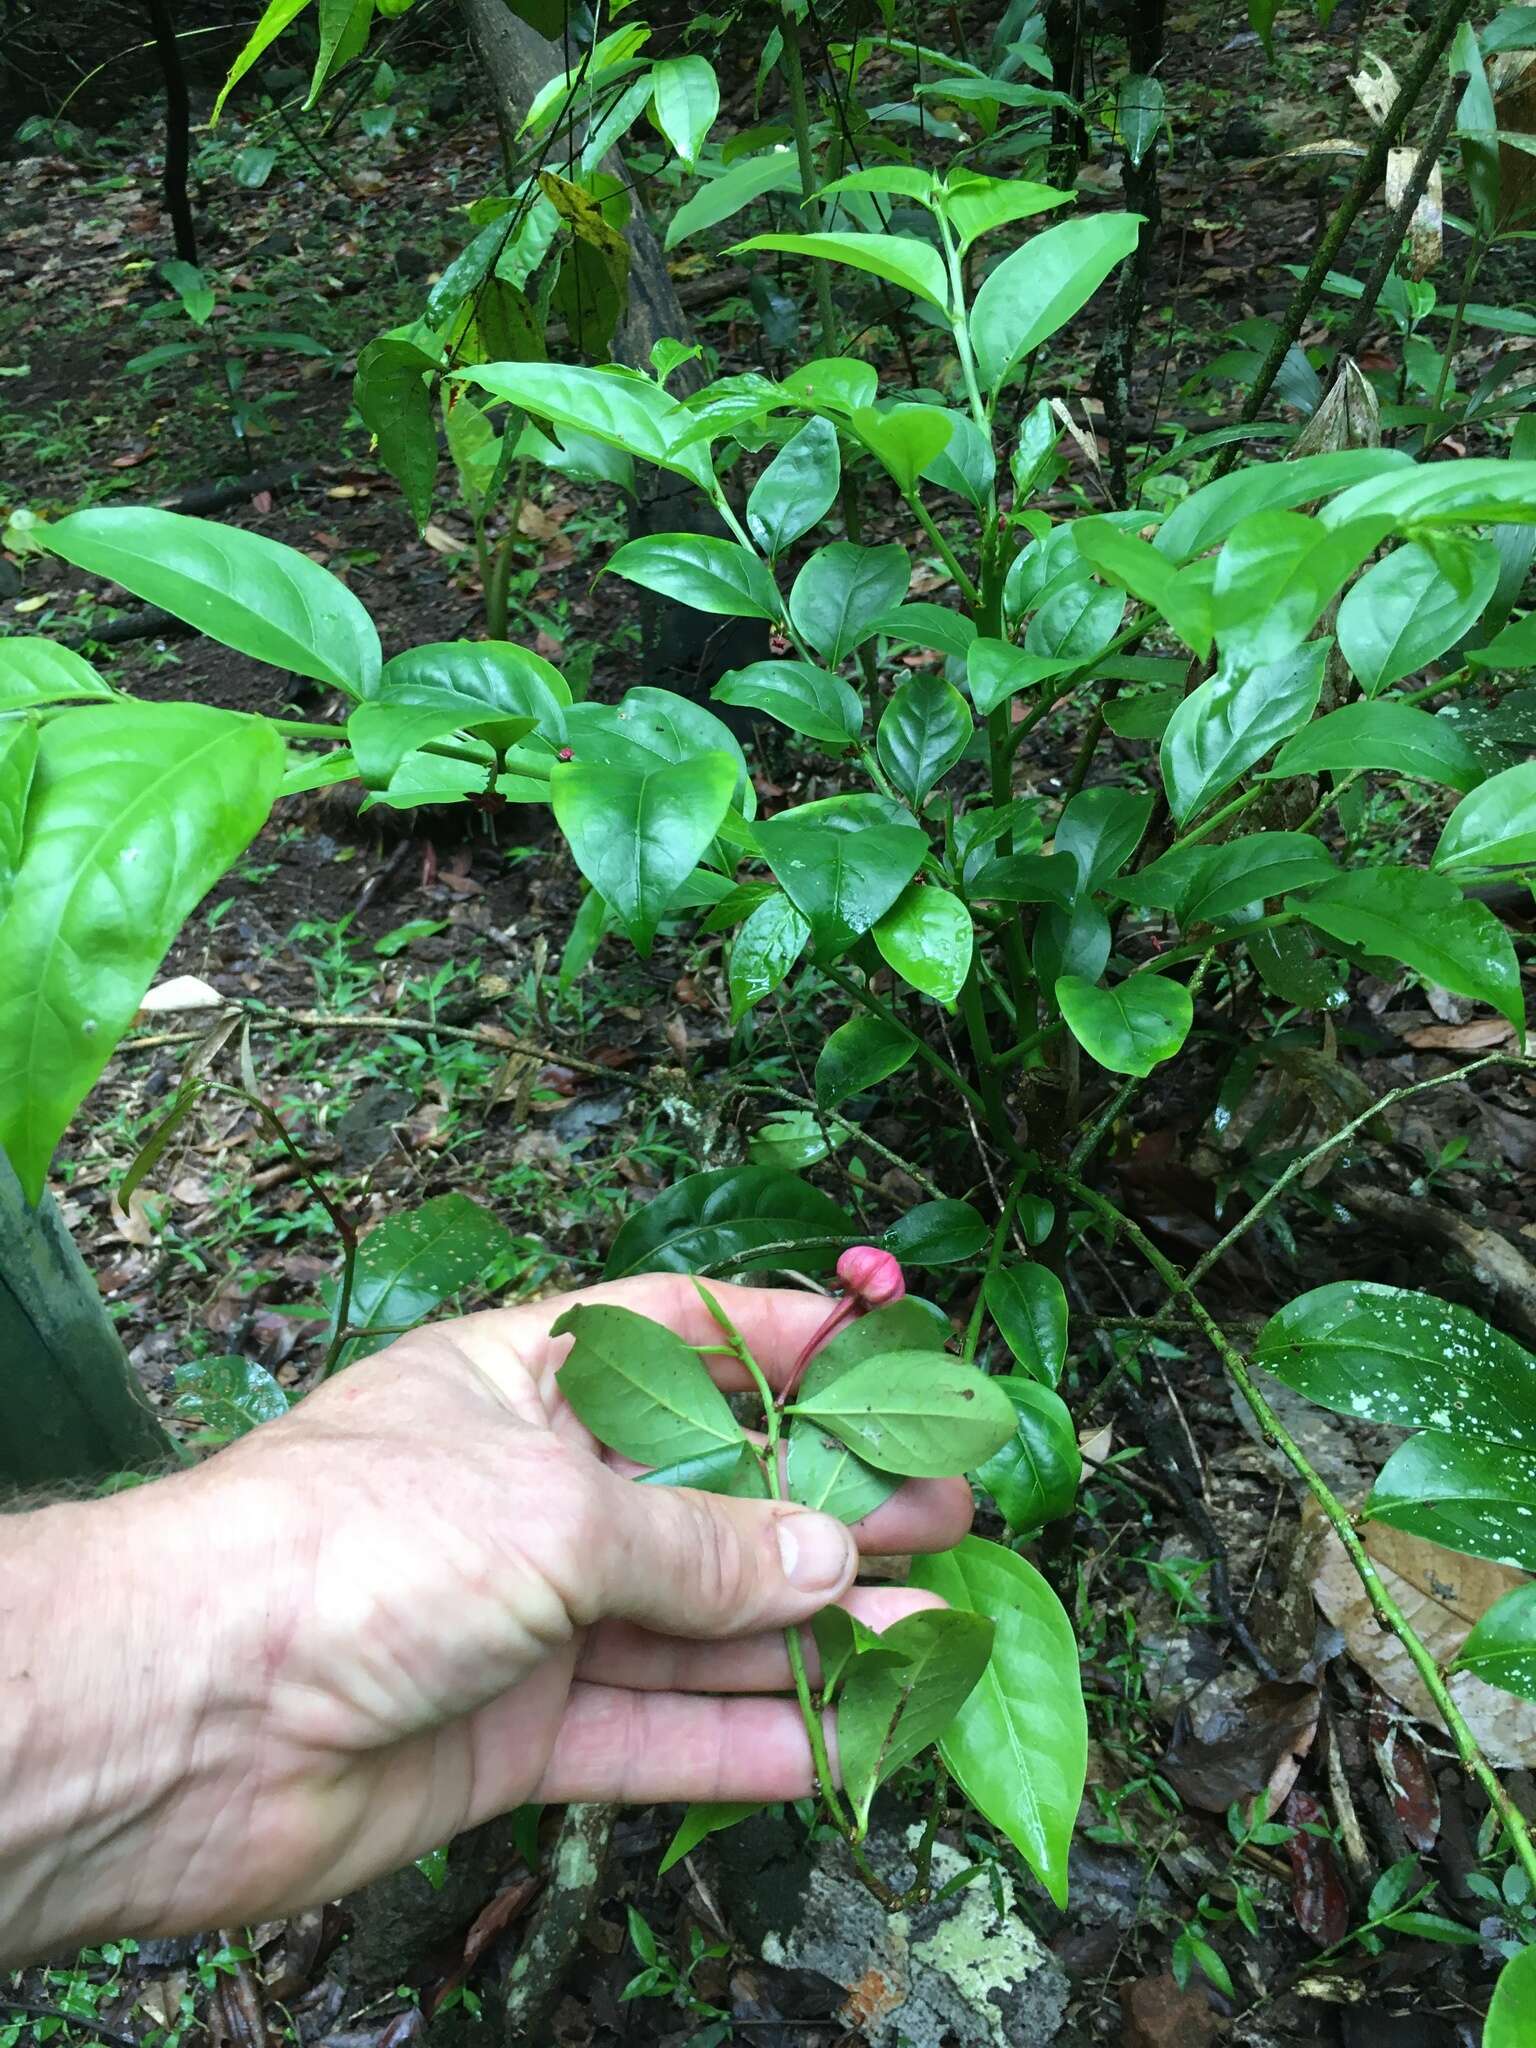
x=871, y=1274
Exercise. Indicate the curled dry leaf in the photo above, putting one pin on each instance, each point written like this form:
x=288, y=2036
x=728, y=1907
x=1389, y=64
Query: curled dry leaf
x=1234, y=1741
x=1318, y=1897
x=183, y=992
x=1374, y=86
x=1406, y=1773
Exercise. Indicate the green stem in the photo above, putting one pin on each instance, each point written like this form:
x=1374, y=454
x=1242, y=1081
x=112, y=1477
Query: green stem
x=810, y=184
x=994, y=1260
x=1230, y=809
x=920, y=513
x=973, y=1012
x=303, y=729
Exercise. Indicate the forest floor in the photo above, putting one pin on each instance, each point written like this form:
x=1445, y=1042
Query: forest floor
x=1227, y=1657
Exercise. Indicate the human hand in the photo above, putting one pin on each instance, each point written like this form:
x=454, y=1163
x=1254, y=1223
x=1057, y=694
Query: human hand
x=427, y=1596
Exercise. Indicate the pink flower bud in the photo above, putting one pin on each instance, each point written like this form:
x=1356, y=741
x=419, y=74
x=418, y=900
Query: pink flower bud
x=873, y=1275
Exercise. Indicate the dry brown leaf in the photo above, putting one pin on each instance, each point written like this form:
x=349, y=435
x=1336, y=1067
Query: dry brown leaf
x=441, y=540
x=1374, y=86
x=182, y=992
x=1479, y=1034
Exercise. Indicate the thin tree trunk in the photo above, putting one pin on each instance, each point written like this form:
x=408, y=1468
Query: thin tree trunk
x=178, y=128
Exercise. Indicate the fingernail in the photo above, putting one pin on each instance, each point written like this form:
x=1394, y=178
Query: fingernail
x=816, y=1552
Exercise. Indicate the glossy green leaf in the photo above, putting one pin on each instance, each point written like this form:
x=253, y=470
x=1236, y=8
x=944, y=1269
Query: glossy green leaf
x=905, y=1325
x=1423, y=920
x=1075, y=622
x=1034, y=1477
x=134, y=811
x=887, y=180
x=639, y=1388
x=1386, y=735
x=857, y=1056
x=394, y=402
x=1140, y=111
x=1482, y=490
x=1182, y=596
x=380, y=736
x=997, y=670
x=798, y=488
x=820, y=1471
x=276, y=16
x=1511, y=2021
x=733, y=1219
x=939, y=1233
x=1412, y=605
x=927, y=937
x=1502, y=1650
x=1018, y=1748
x=647, y=726
x=1495, y=825
x=1038, y=288
x=1204, y=882
x=251, y=593
x=1208, y=515
x=226, y=1397
x=838, y=382
x=974, y=205
x=749, y=178
x=1469, y=1495
x=731, y=1469
x=904, y=439
x=767, y=946
x=927, y=625
x=798, y=694
x=411, y=1263
x=701, y=570
x=492, y=680
x=922, y=1414
x=1100, y=829
x=638, y=833
x=1233, y=720
x=18, y=765
x=796, y=1139
x=923, y=731
x=1130, y=1028
x=36, y=671
x=701, y=1821
x=842, y=590
x=842, y=863
x=1275, y=577
x=964, y=463
x=627, y=412
x=1290, y=966
x=685, y=101
x=1029, y=1306
x=897, y=1702
x=899, y=259
x=1027, y=878
x=1074, y=941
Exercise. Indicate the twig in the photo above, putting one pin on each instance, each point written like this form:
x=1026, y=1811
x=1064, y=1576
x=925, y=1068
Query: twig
x=178, y=122
x=533, y=1982
x=1397, y=227
x=26, y=2009
x=857, y=1131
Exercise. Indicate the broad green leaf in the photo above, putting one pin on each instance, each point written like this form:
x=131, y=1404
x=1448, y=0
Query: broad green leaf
x=1423, y=920
x=135, y=811
x=1100, y=829
x=923, y=731
x=227, y=1397
x=821, y=1472
x=732, y=1469
x=899, y=259
x=799, y=695
x=701, y=1821
x=965, y=463
x=1074, y=941
x=997, y=670
x=685, y=101
x=1183, y=597
x=251, y=593
x=1231, y=721
x=797, y=488
x=888, y=180
x=1202, y=883
x=859, y=1055
x=1018, y=1748
x=394, y=402
x=1495, y=825
x=1038, y=288
x=749, y=178
x=491, y=679
x=1511, y=2020
x=639, y=1388
x=702, y=570
x=582, y=456
x=939, y=1233
x=1384, y=734
x=1140, y=111
x=897, y=1702
x=1290, y=966
x=1034, y=1477
x=1502, y=1650
x=1208, y=515
x=842, y=590
x=922, y=1414
x=734, y=1219
x=764, y=950
x=18, y=765
x=974, y=205
x=905, y=1325
x=344, y=26
x=1026, y=878
x=1274, y=578
x=904, y=439
x=926, y=937
x=380, y=736
x=1412, y=605
x=36, y=671
x=842, y=863
x=628, y=412
x=1075, y=623
x=927, y=625
x=1132, y=1027
x=840, y=383
x=412, y=1263
x=638, y=833
x=1475, y=492
x=1468, y=1495
x=276, y=16
x=797, y=1138
x=649, y=725
x=1029, y=1306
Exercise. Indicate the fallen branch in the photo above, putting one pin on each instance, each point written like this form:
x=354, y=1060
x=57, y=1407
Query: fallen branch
x=575, y=1880
x=1503, y=1275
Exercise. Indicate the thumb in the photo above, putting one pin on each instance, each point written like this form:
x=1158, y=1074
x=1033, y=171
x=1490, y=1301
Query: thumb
x=702, y=1564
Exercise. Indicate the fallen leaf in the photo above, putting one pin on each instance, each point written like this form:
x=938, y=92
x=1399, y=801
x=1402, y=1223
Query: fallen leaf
x=1233, y=1741
x=1480, y=1034
x=440, y=539
x=182, y=992
x=1406, y=1773
x=1318, y=1897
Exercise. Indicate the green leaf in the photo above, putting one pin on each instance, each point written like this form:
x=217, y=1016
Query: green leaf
x=767, y=946
x=1469, y=1495
x=1018, y=1748
x=937, y=1233
x=965, y=463
x=842, y=863
x=1076, y=621
x=859, y=1055
x=380, y=736
x=1100, y=829
x=701, y=570
x=1029, y=1306
x=1183, y=597
x=927, y=937
x=797, y=488
x=799, y=695
x=904, y=439
x=842, y=590
x=749, y=178
x=639, y=1388
x=1140, y=111
x=840, y=383
x=1208, y=515
x=820, y=1471
x=18, y=764
x=227, y=1397
x=1038, y=288
x=905, y=1325
x=394, y=401
x=344, y=26
x=647, y=726
x=899, y=259
x=1233, y=720
x=1130, y=1028
x=135, y=811
x=1074, y=941
x=1384, y=734
x=627, y=412
x=1424, y=921
x=923, y=732
x=1290, y=966
x=251, y=593
x=922, y=1414
x=496, y=684
x=1274, y=578
x=897, y=1701
x=1034, y=1477
x=638, y=833
x=927, y=625
x=36, y=671
x=701, y=1821
x=1495, y=824
x=685, y=100
x=412, y=1263
x=276, y=16
x=1483, y=490
x=1412, y=605
x=1511, y=2021
x=795, y=1139
x=1502, y=1650
x=737, y=1219
x=1202, y=883
x=974, y=205
x=888, y=180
